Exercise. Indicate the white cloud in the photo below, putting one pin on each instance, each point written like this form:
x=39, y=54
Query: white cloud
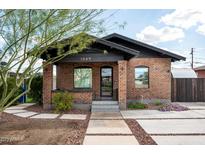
x=201, y=29
x=152, y=35
x=184, y=18
x=180, y=41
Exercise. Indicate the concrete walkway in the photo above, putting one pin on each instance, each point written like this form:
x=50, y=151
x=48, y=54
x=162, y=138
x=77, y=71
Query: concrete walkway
x=107, y=128
x=20, y=111
x=173, y=128
x=155, y=114
x=194, y=106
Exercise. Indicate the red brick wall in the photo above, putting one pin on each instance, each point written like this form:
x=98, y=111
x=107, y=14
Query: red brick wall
x=65, y=76
x=81, y=97
x=159, y=78
x=122, y=84
x=200, y=73
x=47, y=86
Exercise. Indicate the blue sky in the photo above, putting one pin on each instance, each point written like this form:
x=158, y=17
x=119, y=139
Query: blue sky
x=175, y=30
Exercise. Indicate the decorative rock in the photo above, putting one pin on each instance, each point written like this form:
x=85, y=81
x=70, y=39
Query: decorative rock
x=173, y=107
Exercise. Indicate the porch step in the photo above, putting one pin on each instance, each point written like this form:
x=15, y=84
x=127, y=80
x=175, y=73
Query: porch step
x=104, y=103
x=105, y=106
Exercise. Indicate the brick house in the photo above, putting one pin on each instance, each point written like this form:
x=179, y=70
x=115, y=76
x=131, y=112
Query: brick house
x=113, y=68
x=200, y=71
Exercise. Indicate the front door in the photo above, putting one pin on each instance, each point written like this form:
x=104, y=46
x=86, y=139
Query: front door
x=106, y=82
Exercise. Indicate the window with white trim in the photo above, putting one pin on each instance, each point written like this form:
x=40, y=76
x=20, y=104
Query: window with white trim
x=142, y=77
x=82, y=78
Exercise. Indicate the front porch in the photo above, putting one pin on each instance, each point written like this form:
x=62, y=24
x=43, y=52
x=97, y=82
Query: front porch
x=97, y=73
x=87, y=82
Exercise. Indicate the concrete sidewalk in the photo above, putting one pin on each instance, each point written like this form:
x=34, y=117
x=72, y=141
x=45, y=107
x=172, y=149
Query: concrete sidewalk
x=106, y=128
x=155, y=114
x=20, y=111
x=180, y=140
x=173, y=128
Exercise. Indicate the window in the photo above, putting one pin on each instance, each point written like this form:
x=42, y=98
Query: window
x=82, y=78
x=142, y=77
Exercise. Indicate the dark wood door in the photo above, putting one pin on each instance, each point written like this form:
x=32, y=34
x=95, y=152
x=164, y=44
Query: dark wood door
x=106, y=82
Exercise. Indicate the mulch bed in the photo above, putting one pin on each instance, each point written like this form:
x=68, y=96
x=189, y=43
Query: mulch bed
x=39, y=109
x=16, y=130
x=139, y=133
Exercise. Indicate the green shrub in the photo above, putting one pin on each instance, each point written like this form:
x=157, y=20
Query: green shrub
x=35, y=94
x=62, y=101
x=11, y=84
x=137, y=106
x=157, y=103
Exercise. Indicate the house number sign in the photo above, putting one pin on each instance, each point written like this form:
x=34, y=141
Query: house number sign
x=85, y=58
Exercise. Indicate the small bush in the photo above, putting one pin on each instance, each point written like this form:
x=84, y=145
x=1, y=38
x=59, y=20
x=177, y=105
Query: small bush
x=11, y=84
x=157, y=103
x=62, y=101
x=35, y=94
x=137, y=106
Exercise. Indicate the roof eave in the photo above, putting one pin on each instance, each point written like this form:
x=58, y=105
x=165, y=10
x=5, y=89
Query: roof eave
x=174, y=57
x=119, y=47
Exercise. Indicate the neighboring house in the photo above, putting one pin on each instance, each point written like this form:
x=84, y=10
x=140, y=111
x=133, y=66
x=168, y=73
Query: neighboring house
x=114, y=67
x=200, y=71
x=183, y=73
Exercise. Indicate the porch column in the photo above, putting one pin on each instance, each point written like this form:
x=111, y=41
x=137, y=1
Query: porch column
x=122, y=84
x=47, y=85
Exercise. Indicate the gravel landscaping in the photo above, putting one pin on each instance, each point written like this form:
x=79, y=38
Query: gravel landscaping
x=16, y=130
x=173, y=107
x=158, y=106
x=139, y=133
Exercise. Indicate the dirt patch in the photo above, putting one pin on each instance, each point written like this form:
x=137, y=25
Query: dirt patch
x=16, y=130
x=39, y=109
x=139, y=133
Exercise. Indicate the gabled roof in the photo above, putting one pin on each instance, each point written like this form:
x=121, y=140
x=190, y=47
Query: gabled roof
x=110, y=44
x=155, y=49
x=200, y=68
x=117, y=46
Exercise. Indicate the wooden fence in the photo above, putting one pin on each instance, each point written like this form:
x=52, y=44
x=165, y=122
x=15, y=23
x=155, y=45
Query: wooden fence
x=188, y=90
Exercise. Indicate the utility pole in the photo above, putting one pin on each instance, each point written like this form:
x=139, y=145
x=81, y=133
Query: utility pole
x=192, y=58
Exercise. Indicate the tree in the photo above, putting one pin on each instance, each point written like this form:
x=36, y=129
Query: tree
x=27, y=34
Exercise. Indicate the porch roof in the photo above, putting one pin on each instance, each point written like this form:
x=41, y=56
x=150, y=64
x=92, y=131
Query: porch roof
x=122, y=46
x=98, y=44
